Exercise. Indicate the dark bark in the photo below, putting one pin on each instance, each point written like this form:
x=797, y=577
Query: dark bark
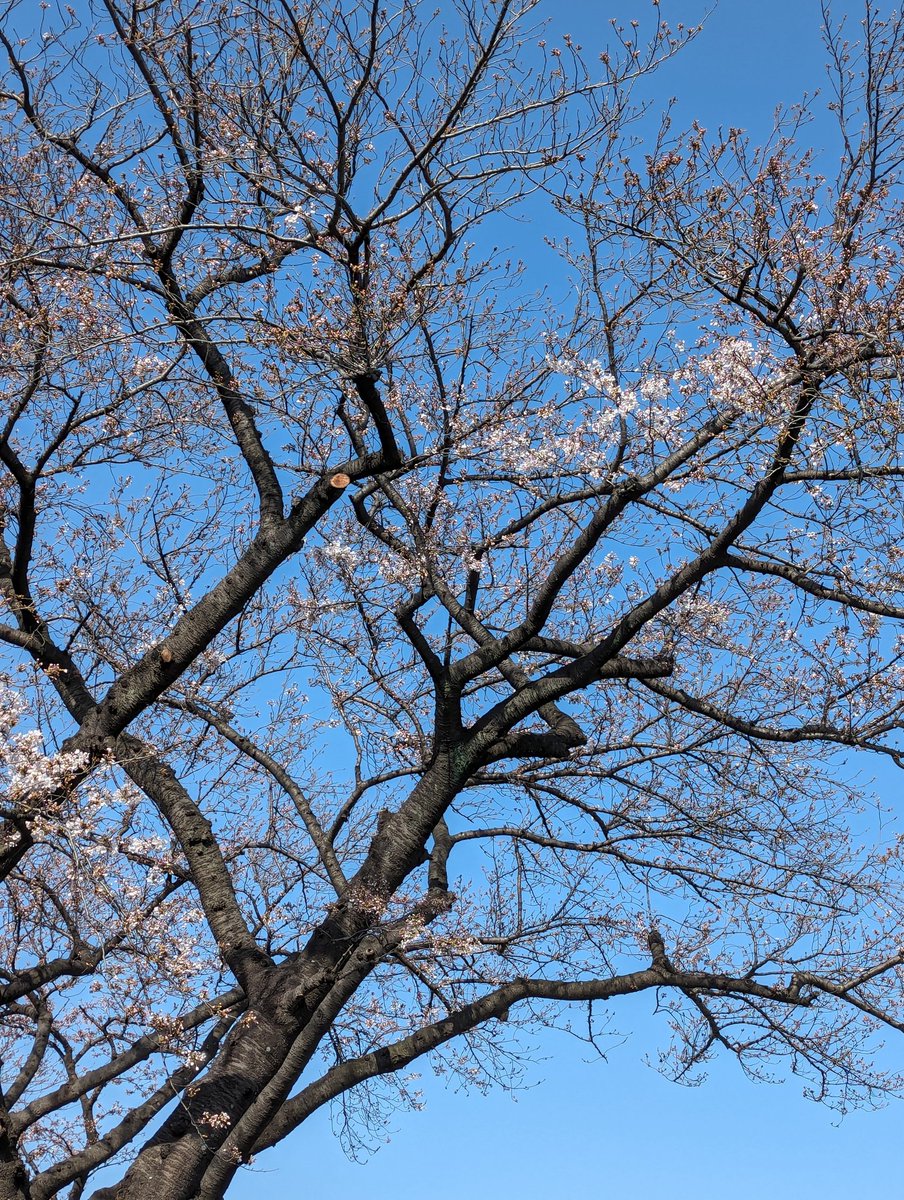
x=14, y=1184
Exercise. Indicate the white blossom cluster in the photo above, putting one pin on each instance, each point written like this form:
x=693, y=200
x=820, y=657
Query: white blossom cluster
x=28, y=770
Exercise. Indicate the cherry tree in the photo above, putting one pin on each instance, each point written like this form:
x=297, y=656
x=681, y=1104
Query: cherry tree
x=397, y=659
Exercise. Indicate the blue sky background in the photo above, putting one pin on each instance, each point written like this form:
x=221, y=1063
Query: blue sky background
x=594, y=1127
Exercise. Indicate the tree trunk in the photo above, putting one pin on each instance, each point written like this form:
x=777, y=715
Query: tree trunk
x=172, y=1164
x=13, y=1176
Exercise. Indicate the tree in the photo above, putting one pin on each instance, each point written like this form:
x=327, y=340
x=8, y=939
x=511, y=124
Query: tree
x=394, y=659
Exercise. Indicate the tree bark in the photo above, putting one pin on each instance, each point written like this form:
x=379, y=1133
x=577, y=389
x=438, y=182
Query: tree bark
x=13, y=1175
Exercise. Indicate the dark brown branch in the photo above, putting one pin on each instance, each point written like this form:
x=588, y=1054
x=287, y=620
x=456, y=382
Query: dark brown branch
x=228, y=1003
x=209, y=872
x=400, y=1054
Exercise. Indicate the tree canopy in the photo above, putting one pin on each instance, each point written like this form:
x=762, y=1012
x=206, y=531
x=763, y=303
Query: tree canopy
x=396, y=655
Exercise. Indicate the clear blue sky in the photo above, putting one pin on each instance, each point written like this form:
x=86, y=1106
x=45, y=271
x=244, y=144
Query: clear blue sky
x=593, y=1128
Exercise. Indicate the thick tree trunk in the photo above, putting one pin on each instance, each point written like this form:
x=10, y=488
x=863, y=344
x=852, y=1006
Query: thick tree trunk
x=13, y=1176
x=297, y=998
x=172, y=1164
